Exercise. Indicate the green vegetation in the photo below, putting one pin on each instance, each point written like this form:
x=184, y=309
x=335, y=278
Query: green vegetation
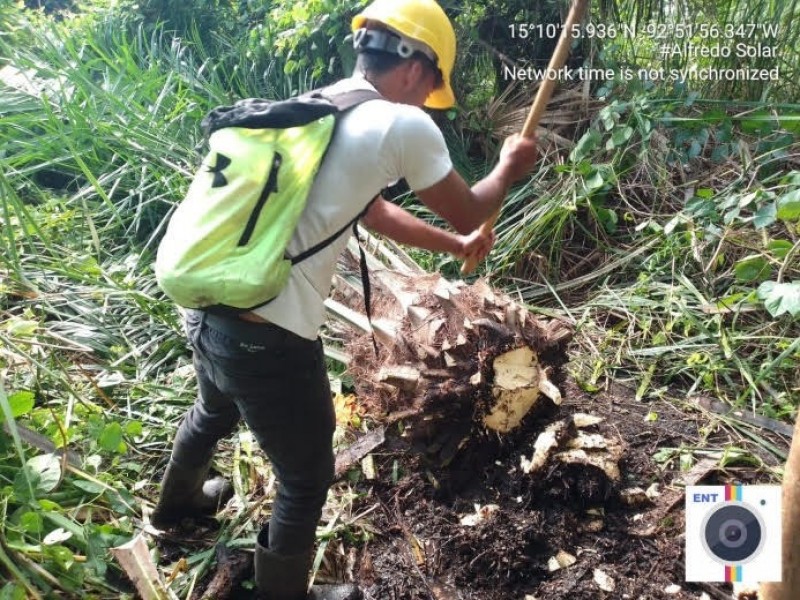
x=668, y=231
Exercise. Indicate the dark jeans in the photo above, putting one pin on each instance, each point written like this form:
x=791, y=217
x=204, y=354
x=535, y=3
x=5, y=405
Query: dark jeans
x=277, y=382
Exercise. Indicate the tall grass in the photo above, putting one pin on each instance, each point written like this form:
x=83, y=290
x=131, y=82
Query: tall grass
x=88, y=345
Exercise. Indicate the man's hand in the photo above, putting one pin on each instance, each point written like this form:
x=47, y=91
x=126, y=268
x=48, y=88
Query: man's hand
x=476, y=245
x=518, y=156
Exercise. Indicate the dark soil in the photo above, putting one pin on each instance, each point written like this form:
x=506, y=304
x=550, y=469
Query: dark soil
x=423, y=552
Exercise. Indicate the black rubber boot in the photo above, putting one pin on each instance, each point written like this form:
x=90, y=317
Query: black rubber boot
x=185, y=493
x=281, y=577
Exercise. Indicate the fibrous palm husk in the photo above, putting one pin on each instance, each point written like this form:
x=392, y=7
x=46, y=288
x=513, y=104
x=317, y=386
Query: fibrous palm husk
x=450, y=353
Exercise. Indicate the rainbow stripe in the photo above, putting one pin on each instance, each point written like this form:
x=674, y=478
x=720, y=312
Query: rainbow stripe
x=733, y=574
x=733, y=492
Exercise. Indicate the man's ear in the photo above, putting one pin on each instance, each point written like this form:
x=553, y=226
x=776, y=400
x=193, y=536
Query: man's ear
x=414, y=72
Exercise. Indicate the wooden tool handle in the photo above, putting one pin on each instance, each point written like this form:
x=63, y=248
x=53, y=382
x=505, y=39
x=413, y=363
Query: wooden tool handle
x=540, y=102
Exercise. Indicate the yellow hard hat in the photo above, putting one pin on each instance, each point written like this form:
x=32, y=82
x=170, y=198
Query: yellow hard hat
x=422, y=21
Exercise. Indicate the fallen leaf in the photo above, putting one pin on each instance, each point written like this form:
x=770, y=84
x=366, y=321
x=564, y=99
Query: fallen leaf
x=348, y=411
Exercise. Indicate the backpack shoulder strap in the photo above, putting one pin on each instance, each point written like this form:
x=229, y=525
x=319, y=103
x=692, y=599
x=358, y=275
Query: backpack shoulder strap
x=329, y=240
x=344, y=101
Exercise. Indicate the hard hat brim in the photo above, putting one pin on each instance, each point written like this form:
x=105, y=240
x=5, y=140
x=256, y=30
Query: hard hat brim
x=442, y=98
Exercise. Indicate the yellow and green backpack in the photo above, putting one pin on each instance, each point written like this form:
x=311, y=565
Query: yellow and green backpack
x=225, y=245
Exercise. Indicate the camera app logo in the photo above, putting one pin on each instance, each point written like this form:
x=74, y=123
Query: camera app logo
x=733, y=533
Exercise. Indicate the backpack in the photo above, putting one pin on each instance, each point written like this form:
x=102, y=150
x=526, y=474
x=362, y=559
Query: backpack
x=225, y=245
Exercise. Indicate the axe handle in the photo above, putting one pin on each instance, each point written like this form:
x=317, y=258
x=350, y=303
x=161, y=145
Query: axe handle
x=540, y=102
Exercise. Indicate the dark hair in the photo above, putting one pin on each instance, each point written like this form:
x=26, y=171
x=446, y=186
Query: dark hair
x=378, y=63
x=430, y=65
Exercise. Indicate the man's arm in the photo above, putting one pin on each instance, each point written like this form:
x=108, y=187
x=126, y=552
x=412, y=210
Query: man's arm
x=398, y=224
x=466, y=208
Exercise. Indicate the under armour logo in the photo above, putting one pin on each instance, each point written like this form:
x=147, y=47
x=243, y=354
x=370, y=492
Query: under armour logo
x=252, y=348
x=222, y=163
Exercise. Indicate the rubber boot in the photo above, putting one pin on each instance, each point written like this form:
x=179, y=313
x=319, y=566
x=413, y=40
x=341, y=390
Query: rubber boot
x=185, y=493
x=280, y=577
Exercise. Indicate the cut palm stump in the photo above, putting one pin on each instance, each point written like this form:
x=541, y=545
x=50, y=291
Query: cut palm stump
x=469, y=374
x=467, y=370
x=457, y=363
x=449, y=348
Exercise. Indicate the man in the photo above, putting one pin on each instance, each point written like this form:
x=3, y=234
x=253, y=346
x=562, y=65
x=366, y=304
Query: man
x=267, y=366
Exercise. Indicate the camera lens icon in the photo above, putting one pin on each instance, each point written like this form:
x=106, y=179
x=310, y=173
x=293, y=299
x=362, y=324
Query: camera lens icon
x=733, y=533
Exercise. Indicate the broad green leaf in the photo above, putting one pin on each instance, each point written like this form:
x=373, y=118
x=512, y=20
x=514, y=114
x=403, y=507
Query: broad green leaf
x=721, y=152
x=21, y=403
x=595, y=182
x=48, y=469
x=622, y=135
x=133, y=428
x=111, y=437
x=43, y=472
x=779, y=248
x=585, y=145
x=49, y=505
x=780, y=298
x=731, y=300
x=790, y=123
x=731, y=216
x=121, y=501
x=789, y=206
x=62, y=555
x=12, y=591
x=765, y=216
x=608, y=218
x=89, y=486
x=751, y=268
x=589, y=387
x=759, y=121
x=96, y=551
x=31, y=522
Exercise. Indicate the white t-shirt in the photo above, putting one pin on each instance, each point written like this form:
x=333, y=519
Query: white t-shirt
x=375, y=144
